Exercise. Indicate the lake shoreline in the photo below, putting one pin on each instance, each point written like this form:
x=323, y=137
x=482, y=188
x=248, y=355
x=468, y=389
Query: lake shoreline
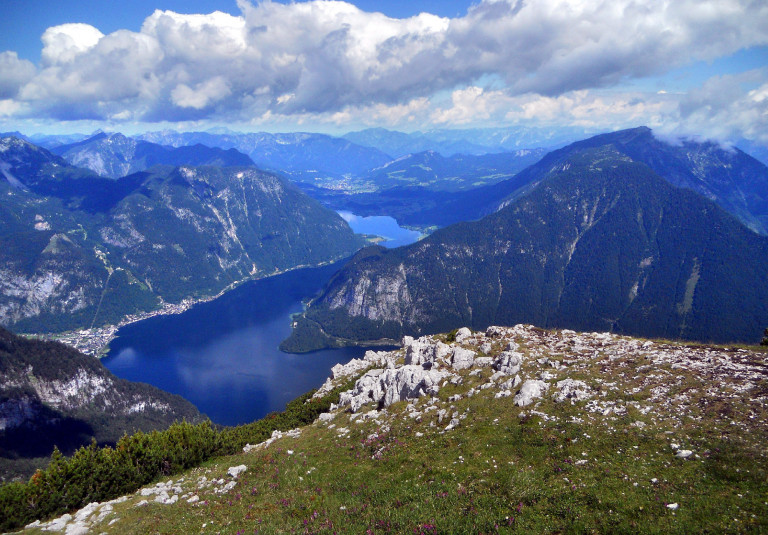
x=95, y=342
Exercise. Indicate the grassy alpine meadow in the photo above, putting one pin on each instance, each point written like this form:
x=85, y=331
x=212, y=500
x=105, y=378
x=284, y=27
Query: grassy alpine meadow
x=662, y=443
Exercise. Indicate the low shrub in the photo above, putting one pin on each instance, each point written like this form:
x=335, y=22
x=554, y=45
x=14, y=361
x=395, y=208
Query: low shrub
x=96, y=474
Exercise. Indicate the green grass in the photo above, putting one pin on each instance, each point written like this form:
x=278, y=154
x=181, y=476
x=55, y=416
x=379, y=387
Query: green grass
x=504, y=469
x=511, y=475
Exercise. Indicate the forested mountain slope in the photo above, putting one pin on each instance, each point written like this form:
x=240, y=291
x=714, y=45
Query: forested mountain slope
x=601, y=243
x=734, y=180
x=52, y=395
x=82, y=251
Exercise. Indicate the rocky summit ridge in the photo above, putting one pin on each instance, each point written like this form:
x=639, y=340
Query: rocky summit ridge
x=506, y=429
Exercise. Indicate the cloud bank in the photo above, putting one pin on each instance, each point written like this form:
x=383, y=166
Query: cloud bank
x=332, y=61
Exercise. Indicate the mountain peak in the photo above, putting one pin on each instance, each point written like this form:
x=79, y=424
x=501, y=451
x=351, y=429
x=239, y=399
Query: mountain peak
x=601, y=242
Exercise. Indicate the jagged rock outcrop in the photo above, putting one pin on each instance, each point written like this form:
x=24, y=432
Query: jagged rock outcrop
x=423, y=350
x=383, y=387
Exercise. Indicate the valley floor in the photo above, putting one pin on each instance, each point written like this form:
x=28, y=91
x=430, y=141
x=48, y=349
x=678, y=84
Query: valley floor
x=513, y=430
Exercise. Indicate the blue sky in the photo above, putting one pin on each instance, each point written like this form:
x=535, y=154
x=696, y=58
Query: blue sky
x=686, y=68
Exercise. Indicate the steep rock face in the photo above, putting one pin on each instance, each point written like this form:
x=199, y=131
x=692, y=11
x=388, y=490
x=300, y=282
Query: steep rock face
x=602, y=243
x=53, y=395
x=62, y=279
x=231, y=222
x=78, y=252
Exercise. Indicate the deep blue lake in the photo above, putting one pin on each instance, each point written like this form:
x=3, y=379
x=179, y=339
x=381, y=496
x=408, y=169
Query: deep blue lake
x=381, y=225
x=223, y=355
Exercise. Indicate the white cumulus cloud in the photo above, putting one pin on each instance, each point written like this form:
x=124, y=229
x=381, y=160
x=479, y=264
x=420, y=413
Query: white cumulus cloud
x=202, y=95
x=64, y=43
x=14, y=73
x=328, y=60
x=724, y=108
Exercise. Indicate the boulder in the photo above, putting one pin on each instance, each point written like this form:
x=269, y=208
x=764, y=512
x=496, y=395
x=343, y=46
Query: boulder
x=367, y=389
x=235, y=471
x=410, y=382
x=462, y=335
x=495, y=332
x=424, y=350
x=483, y=362
x=462, y=359
x=508, y=362
x=350, y=368
x=531, y=390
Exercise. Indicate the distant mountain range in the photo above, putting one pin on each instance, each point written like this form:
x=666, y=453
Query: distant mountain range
x=312, y=158
x=434, y=172
x=77, y=249
x=115, y=155
x=477, y=141
x=728, y=176
x=51, y=395
x=593, y=239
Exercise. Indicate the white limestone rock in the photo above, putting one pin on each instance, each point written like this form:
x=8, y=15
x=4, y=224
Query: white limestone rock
x=410, y=382
x=367, y=389
x=462, y=335
x=573, y=390
x=424, y=350
x=508, y=362
x=326, y=417
x=350, y=368
x=385, y=387
x=509, y=384
x=462, y=359
x=495, y=332
x=235, y=471
x=531, y=390
x=483, y=362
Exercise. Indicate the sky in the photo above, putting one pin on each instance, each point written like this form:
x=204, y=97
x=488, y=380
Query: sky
x=687, y=68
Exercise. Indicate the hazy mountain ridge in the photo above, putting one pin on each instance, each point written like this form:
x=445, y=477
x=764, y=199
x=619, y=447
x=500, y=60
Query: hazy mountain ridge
x=602, y=243
x=303, y=156
x=430, y=170
x=115, y=155
x=476, y=141
x=90, y=250
x=52, y=395
x=728, y=176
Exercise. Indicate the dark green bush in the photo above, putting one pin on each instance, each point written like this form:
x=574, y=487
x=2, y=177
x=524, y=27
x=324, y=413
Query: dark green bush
x=95, y=474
